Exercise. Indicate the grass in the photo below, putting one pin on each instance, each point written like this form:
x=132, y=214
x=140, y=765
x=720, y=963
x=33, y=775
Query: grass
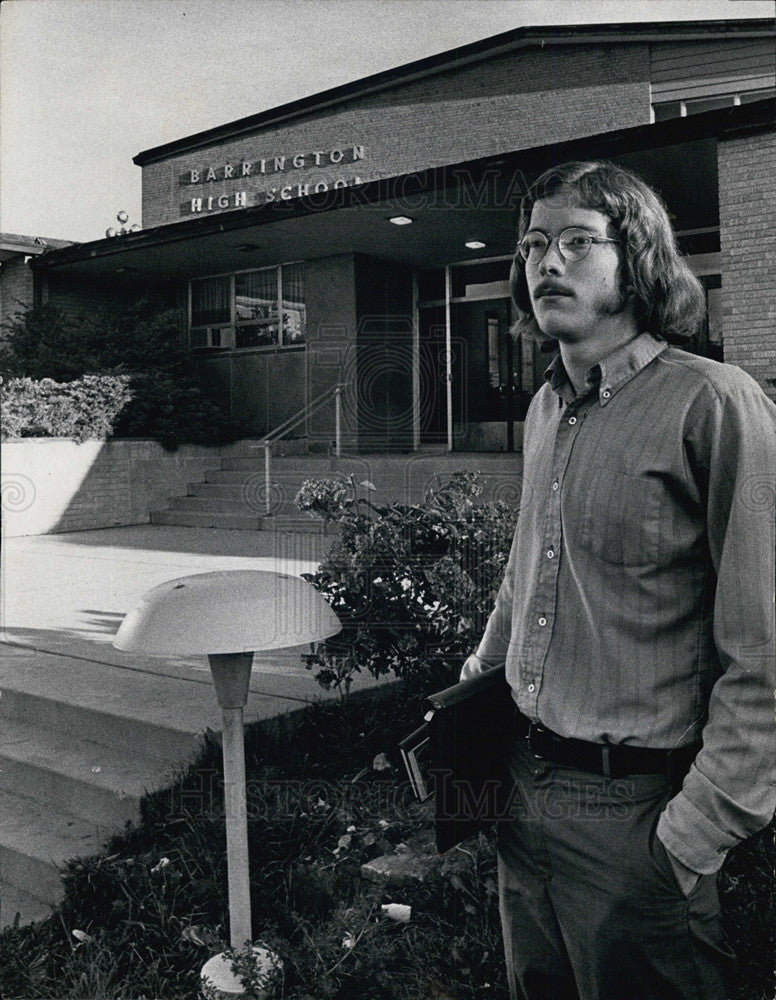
x=150, y=909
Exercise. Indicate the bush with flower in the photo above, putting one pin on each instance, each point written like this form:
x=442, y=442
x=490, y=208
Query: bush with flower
x=412, y=583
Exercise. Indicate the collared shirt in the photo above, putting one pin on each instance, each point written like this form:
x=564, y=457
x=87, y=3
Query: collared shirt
x=638, y=601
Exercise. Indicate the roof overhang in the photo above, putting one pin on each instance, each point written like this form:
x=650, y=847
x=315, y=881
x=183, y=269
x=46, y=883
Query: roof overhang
x=449, y=205
x=14, y=245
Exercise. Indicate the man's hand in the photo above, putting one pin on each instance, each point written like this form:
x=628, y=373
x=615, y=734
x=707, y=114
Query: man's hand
x=472, y=667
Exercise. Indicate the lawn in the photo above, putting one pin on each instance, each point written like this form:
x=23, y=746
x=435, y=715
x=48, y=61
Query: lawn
x=325, y=795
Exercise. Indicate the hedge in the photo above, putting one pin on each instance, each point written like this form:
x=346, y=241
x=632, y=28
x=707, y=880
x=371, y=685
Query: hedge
x=86, y=408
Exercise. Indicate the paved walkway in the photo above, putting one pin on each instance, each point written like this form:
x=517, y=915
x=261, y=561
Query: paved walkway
x=85, y=729
x=64, y=597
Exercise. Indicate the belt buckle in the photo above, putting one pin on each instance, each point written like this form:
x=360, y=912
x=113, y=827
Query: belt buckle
x=533, y=728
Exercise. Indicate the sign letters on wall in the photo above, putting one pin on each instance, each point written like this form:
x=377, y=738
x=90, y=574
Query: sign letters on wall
x=247, y=172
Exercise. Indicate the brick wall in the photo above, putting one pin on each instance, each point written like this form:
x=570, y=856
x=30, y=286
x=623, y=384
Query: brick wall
x=53, y=485
x=514, y=101
x=747, y=208
x=76, y=295
x=16, y=288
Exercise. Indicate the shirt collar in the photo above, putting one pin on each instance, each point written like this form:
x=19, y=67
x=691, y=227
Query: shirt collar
x=610, y=374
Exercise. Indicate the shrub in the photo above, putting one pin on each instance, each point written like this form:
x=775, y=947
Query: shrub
x=141, y=343
x=412, y=584
x=87, y=407
x=174, y=409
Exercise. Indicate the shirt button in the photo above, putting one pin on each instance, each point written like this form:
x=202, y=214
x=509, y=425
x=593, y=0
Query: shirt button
x=572, y=420
x=550, y=553
x=606, y=394
x=555, y=486
x=542, y=621
x=531, y=687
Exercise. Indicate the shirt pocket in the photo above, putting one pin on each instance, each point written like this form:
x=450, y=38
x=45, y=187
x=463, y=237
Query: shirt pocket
x=622, y=519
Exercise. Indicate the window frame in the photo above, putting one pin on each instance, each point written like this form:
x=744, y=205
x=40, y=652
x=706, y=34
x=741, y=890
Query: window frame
x=228, y=331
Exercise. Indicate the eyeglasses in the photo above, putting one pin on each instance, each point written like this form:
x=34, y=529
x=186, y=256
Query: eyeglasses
x=573, y=244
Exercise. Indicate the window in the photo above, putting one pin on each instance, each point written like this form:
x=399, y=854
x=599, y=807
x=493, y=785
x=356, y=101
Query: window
x=294, y=309
x=256, y=308
x=210, y=302
x=250, y=309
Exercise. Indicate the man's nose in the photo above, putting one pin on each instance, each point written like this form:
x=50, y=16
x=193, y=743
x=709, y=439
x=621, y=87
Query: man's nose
x=552, y=262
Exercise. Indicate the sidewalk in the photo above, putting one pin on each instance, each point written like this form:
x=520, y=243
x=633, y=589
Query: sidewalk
x=64, y=597
x=86, y=730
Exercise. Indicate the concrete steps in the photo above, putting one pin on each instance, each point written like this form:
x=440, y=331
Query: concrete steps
x=80, y=742
x=25, y=906
x=57, y=713
x=207, y=504
x=232, y=496
x=73, y=775
x=205, y=519
x=35, y=842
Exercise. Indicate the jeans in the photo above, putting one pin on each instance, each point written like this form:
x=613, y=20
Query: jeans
x=590, y=906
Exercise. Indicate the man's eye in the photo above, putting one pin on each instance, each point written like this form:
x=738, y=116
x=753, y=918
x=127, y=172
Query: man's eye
x=576, y=240
x=535, y=241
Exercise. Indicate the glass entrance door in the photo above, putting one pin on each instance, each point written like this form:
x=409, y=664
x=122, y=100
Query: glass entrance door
x=491, y=374
x=432, y=390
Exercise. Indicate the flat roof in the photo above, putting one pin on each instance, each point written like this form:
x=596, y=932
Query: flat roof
x=585, y=34
x=13, y=245
x=353, y=219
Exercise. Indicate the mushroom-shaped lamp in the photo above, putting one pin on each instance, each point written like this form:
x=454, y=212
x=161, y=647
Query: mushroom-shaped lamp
x=229, y=615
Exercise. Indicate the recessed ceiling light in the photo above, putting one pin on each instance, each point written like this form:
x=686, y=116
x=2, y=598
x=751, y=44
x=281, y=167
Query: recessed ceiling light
x=475, y=244
x=401, y=220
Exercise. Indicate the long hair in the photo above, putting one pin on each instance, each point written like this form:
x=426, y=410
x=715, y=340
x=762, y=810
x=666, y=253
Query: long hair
x=668, y=299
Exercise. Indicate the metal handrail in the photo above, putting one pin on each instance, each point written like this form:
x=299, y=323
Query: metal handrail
x=293, y=422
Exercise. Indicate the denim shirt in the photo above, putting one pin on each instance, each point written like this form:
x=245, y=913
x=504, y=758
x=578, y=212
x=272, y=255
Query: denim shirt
x=638, y=601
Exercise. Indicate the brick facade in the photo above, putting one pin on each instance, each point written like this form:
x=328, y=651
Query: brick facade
x=524, y=98
x=77, y=296
x=16, y=288
x=747, y=206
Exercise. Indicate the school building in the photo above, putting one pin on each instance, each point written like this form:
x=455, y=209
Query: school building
x=362, y=238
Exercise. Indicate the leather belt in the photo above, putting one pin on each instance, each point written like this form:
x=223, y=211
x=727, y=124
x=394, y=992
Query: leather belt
x=612, y=760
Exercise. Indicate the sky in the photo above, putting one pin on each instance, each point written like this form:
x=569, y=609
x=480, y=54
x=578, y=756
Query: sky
x=85, y=85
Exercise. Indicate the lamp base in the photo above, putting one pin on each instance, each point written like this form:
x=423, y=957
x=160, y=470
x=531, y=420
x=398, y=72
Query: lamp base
x=219, y=981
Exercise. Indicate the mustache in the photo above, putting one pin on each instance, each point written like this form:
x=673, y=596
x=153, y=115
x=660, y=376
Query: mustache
x=550, y=288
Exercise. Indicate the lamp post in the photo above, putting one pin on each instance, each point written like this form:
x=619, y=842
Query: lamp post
x=229, y=615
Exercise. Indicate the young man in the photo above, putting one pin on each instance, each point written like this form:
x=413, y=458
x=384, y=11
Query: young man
x=636, y=617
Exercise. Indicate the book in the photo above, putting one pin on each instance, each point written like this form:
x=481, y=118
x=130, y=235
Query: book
x=417, y=756
x=459, y=755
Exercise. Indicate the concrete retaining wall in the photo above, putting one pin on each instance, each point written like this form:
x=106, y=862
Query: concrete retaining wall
x=53, y=485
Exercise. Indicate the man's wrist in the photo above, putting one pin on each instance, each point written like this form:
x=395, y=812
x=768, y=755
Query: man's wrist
x=472, y=666
x=686, y=877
